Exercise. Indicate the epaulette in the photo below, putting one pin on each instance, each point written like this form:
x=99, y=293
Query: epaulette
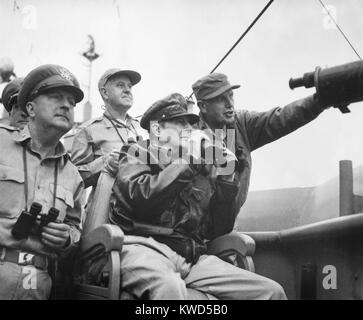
x=89, y=122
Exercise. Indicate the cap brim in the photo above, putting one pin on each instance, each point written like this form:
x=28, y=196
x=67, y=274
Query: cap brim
x=193, y=118
x=134, y=76
x=221, y=90
x=77, y=92
x=145, y=120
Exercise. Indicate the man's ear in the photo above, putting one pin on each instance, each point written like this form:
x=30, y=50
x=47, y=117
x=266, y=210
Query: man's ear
x=30, y=109
x=104, y=93
x=202, y=106
x=155, y=128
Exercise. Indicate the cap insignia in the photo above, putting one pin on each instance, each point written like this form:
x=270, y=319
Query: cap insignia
x=65, y=74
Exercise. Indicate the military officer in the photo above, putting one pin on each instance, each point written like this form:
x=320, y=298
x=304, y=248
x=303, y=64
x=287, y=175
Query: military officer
x=168, y=209
x=37, y=178
x=98, y=142
x=244, y=131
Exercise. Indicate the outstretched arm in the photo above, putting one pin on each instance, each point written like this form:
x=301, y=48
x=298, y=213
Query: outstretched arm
x=265, y=127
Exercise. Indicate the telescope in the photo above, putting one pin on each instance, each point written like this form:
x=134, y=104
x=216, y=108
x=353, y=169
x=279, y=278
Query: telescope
x=336, y=86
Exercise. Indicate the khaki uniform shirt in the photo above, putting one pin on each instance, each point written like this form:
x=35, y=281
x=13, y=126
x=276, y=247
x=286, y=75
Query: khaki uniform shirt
x=40, y=188
x=95, y=139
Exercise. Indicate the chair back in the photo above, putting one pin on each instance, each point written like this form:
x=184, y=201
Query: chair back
x=99, y=209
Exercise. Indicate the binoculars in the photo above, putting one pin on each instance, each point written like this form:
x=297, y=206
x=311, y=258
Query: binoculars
x=196, y=147
x=27, y=220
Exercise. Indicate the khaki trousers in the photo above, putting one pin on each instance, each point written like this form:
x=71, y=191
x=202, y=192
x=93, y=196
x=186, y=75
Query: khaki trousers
x=151, y=270
x=23, y=282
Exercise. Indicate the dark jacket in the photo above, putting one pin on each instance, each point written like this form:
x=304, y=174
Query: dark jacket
x=255, y=129
x=178, y=201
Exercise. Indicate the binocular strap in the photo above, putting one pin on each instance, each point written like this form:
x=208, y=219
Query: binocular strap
x=26, y=190
x=113, y=120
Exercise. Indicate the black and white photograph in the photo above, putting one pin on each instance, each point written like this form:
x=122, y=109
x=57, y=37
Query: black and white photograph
x=178, y=150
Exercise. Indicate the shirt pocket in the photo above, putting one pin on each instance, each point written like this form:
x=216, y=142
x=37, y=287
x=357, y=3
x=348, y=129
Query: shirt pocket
x=64, y=200
x=11, y=191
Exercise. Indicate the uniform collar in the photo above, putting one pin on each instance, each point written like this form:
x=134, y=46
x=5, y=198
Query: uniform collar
x=118, y=123
x=24, y=136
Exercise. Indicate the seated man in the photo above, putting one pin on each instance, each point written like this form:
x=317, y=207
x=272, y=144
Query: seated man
x=168, y=207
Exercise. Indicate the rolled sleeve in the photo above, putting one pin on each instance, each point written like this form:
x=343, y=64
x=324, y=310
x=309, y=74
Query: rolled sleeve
x=73, y=219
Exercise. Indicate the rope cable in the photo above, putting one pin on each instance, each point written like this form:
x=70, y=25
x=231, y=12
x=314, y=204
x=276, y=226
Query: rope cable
x=340, y=30
x=239, y=39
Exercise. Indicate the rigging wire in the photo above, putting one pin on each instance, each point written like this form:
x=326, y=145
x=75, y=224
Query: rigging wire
x=240, y=38
x=243, y=35
x=340, y=30
x=236, y=43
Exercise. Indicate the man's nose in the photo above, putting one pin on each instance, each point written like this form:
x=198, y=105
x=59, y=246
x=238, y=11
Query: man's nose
x=66, y=104
x=187, y=126
x=229, y=102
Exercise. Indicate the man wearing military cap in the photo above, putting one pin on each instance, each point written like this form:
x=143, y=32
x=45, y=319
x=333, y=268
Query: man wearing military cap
x=168, y=210
x=37, y=178
x=251, y=130
x=98, y=141
x=17, y=117
x=96, y=145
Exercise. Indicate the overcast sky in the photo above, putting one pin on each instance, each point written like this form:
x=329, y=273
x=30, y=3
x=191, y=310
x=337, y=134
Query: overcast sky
x=172, y=43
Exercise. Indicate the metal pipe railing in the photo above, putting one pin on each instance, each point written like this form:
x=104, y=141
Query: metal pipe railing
x=346, y=196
